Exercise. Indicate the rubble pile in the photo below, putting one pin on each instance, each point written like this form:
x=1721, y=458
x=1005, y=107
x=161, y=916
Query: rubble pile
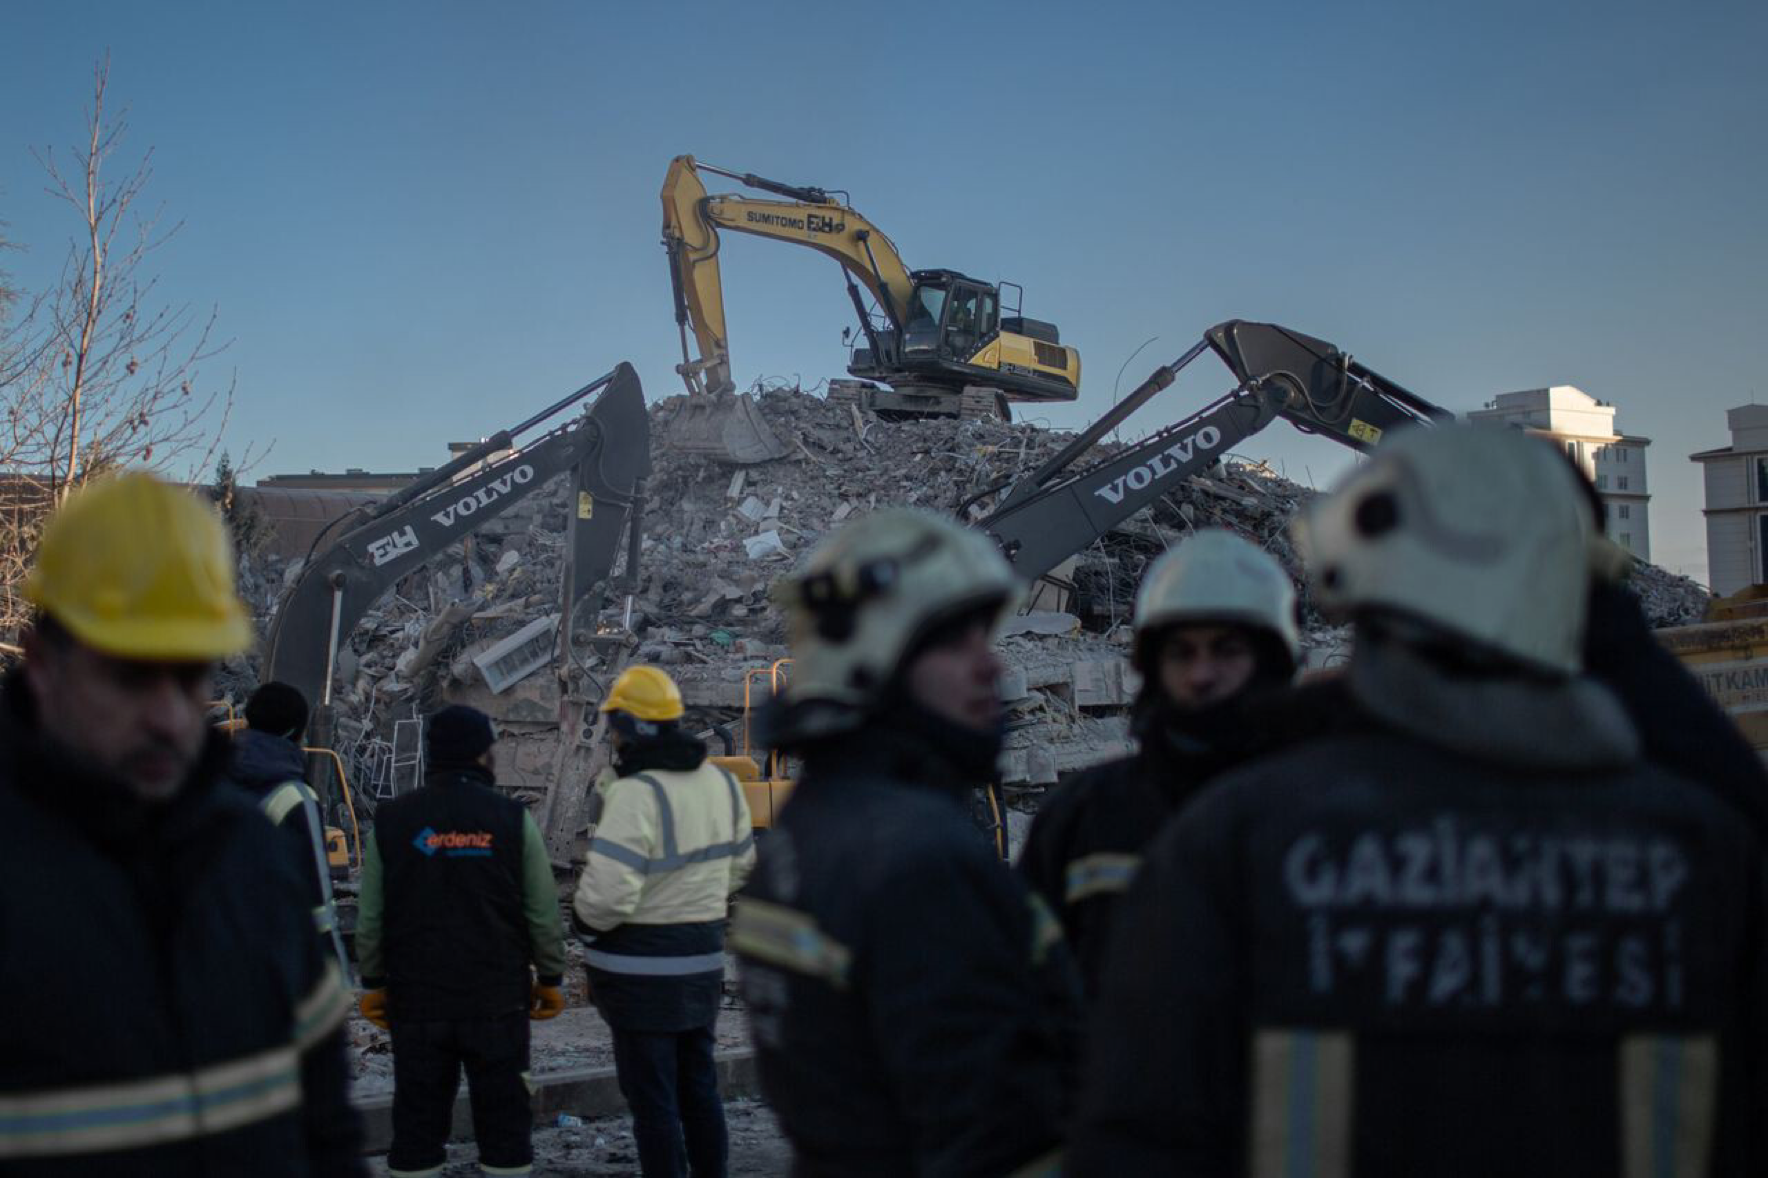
x=474, y=626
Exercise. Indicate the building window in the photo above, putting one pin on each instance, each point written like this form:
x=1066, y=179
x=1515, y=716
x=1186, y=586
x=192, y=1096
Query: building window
x=1624, y=457
x=1627, y=540
x=1626, y=512
x=1762, y=480
x=1762, y=549
x=1571, y=451
x=1621, y=481
x=1602, y=482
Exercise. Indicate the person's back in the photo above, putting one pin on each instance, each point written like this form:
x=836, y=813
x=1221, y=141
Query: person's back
x=1533, y=959
x=457, y=903
x=1475, y=932
x=456, y=942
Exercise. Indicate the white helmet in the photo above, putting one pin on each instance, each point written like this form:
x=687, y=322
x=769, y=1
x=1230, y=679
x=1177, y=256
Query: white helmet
x=1216, y=576
x=1479, y=531
x=873, y=590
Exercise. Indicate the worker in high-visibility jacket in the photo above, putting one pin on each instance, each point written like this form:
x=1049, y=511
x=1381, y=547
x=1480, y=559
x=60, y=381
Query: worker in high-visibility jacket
x=268, y=764
x=672, y=844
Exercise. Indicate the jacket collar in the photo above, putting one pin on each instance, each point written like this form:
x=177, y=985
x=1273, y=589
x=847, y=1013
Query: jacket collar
x=1573, y=724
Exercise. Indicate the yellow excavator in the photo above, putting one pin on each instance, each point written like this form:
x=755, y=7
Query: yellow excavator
x=938, y=341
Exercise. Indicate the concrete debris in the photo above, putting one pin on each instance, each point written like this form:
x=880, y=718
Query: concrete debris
x=716, y=540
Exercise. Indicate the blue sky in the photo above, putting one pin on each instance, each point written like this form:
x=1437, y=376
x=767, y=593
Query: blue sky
x=420, y=221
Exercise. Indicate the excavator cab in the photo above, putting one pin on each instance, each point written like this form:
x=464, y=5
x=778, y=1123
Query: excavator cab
x=948, y=316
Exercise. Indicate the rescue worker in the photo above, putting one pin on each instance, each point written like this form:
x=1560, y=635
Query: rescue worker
x=671, y=846
x=457, y=901
x=1482, y=934
x=913, y=1006
x=268, y=764
x=1215, y=626
x=168, y=1010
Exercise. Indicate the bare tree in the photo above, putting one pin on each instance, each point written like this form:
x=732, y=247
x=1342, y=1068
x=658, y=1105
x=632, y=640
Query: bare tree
x=96, y=372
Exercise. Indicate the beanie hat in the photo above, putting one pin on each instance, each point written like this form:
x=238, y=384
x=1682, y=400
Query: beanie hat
x=279, y=709
x=459, y=735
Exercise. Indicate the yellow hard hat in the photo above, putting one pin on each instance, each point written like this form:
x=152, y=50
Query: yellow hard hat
x=645, y=693
x=140, y=569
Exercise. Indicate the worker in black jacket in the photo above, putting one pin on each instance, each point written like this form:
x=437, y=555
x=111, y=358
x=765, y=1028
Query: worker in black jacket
x=912, y=1003
x=1215, y=627
x=457, y=903
x=167, y=1010
x=268, y=763
x=1478, y=934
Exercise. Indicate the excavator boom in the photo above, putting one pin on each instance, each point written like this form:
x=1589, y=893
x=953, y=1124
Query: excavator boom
x=1057, y=511
x=608, y=448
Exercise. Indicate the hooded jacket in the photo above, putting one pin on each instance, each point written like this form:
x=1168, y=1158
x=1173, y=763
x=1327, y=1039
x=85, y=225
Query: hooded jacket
x=261, y=765
x=1478, y=936
x=672, y=845
x=913, y=1007
x=196, y=1026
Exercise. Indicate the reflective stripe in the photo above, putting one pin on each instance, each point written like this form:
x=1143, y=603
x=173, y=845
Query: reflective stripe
x=323, y=921
x=1046, y=930
x=1047, y=1166
x=1667, y=1089
x=656, y=967
x=429, y=1173
x=672, y=859
x=1301, y=1084
x=153, y=1111
x=789, y=938
x=323, y=1010
x=280, y=802
x=484, y=1169
x=1107, y=873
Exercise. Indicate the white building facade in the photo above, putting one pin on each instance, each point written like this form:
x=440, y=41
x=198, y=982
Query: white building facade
x=1585, y=428
x=1736, y=480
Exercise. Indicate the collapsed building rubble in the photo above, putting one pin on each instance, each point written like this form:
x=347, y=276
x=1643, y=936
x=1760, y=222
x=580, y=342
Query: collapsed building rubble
x=478, y=626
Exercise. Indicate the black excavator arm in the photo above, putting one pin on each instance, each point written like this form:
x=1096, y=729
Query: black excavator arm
x=1055, y=512
x=608, y=447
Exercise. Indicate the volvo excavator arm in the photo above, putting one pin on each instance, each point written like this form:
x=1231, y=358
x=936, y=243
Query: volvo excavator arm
x=1056, y=511
x=609, y=450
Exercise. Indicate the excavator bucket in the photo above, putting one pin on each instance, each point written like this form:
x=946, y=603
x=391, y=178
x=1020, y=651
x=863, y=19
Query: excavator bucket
x=726, y=426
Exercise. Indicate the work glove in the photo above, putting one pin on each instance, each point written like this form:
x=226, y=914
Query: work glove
x=373, y=1006
x=545, y=1002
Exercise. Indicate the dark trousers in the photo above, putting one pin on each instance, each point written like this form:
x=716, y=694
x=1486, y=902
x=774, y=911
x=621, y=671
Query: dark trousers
x=427, y=1062
x=672, y=1089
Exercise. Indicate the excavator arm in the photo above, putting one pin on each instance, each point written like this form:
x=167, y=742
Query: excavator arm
x=1055, y=512
x=608, y=448
x=809, y=217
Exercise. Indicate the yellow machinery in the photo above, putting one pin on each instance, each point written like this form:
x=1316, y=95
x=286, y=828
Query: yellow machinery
x=765, y=782
x=938, y=335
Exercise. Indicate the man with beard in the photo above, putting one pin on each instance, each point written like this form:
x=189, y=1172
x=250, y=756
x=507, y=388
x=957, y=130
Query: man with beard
x=168, y=1008
x=912, y=1004
x=672, y=843
x=1215, y=628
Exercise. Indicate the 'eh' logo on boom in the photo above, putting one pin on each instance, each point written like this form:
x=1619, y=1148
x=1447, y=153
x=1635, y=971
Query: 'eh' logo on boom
x=1141, y=477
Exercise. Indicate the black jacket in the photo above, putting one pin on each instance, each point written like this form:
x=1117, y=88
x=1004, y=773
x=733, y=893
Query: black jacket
x=261, y=762
x=913, y=1007
x=1087, y=839
x=158, y=974
x=449, y=916
x=1480, y=937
